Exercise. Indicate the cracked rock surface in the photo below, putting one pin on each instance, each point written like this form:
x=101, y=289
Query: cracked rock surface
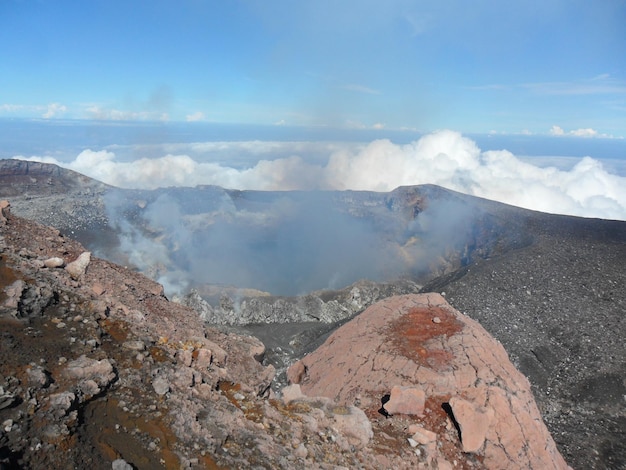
x=420, y=341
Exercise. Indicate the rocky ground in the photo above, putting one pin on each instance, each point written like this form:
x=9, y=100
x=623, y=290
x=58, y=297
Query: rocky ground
x=551, y=289
x=98, y=369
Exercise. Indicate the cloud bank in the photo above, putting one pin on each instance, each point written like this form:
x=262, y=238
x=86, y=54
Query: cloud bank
x=444, y=158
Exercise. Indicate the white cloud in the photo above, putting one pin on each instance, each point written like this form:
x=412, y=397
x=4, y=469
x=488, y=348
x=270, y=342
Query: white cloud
x=197, y=116
x=47, y=111
x=11, y=108
x=557, y=130
x=445, y=158
x=53, y=110
x=110, y=114
x=583, y=132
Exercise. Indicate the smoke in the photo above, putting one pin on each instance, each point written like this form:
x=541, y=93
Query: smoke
x=283, y=243
x=444, y=158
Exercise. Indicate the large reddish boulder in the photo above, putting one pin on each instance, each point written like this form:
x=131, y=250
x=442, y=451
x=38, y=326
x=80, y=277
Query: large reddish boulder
x=419, y=342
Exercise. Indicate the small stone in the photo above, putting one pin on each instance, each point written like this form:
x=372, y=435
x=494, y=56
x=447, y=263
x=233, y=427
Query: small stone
x=121, y=464
x=78, y=267
x=412, y=442
x=7, y=425
x=134, y=345
x=161, y=385
x=436, y=320
x=424, y=437
x=54, y=262
x=301, y=452
x=61, y=325
x=98, y=288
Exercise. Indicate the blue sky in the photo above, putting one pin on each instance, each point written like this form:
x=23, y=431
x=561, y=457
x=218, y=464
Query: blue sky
x=539, y=67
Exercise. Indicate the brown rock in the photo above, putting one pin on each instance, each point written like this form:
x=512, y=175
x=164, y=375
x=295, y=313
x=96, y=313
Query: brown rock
x=406, y=400
x=98, y=288
x=296, y=372
x=4, y=211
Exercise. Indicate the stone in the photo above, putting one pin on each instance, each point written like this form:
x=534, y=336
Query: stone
x=296, y=372
x=406, y=400
x=4, y=211
x=54, y=262
x=77, y=268
x=424, y=436
x=13, y=294
x=353, y=423
x=98, y=288
x=161, y=385
x=62, y=401
x=291, y=393
x=100, y=372
x=134, y=345
x=7, y=399
x=203, y=358
x=218, y=354
x=474, y=422
x=38, y=377
x=121, y=464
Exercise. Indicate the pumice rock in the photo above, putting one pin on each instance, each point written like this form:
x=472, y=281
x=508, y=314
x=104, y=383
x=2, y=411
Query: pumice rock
x=54, y=262
x=78, y=267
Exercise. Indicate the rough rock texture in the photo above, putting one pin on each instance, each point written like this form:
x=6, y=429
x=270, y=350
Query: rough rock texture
x=395, y=343
x=104, y=371
x=328, y=306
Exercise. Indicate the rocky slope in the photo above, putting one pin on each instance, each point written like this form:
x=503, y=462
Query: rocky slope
x=98, y=369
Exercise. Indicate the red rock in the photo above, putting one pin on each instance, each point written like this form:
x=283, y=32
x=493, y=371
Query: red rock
x=395, y=341
x=405, y=400
x=474, y=422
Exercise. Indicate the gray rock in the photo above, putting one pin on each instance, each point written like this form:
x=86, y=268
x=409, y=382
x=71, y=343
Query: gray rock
x=161, y=385
x=78, y=267
x=121, y=464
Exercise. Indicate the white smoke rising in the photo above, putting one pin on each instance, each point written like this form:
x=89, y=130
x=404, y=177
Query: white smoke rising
x=444, y=158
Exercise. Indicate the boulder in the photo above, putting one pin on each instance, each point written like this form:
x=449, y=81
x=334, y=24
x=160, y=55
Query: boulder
x=453, y=361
